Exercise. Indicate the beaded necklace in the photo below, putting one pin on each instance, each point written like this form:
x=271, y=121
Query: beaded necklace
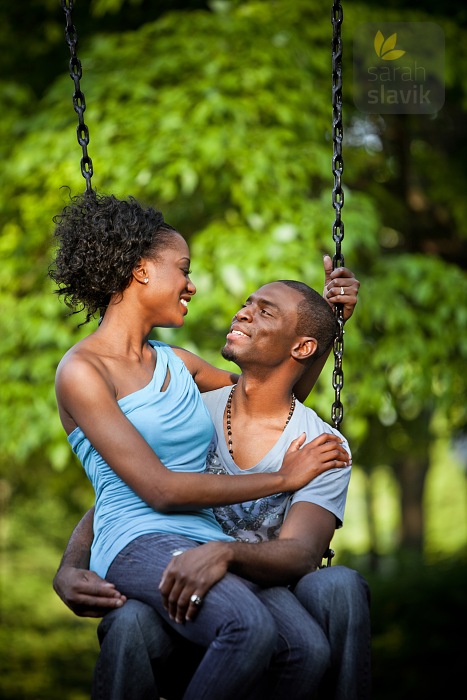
x=229, y=417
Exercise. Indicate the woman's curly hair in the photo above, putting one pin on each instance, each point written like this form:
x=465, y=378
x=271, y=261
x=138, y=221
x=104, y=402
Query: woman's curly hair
x=100, y=241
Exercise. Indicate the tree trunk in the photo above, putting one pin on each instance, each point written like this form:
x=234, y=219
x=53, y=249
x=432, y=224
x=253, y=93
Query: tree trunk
x=404, y=447
x=411, y=474
x=410, y=468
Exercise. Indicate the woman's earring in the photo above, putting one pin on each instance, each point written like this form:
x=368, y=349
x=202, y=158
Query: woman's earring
x=146, y=280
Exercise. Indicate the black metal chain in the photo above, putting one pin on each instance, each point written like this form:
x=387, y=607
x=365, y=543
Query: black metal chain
x=337, y=412
x=79, y=102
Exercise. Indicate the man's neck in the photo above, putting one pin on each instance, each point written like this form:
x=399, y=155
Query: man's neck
x=262, y=397
x=256, y=415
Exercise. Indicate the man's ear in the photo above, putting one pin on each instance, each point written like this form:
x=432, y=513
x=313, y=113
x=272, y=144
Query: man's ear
x=304, y=348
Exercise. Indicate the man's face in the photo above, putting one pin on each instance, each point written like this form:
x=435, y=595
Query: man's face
x=263, y=331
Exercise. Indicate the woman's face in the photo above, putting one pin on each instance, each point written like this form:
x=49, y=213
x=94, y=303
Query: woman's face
x=169, y=284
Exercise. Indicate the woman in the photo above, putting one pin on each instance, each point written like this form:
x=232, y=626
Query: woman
x=133, y=414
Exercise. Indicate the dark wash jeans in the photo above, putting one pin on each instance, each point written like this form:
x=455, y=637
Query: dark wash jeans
x=257, y=643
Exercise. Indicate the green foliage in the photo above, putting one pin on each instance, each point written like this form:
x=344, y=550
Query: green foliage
x=222, y=118
x=238, y=162
x=418, y=349
x=47, y=652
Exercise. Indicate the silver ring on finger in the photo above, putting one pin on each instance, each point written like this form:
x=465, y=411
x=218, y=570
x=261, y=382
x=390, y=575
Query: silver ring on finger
x=342, y=292
x=196, y=600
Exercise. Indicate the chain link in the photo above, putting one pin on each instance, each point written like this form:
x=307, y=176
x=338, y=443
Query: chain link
x=337, y=412
x=79, y=101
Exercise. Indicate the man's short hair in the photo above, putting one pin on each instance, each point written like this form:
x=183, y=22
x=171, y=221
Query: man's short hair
x=315, y=317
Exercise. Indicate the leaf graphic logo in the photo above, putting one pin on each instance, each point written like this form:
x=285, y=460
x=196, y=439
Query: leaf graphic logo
x=385, y=47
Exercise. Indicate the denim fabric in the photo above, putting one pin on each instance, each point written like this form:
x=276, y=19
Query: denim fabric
x=130, y=638
x=141, y=657
x=254, y=648
x=338, y=598
x=302, y=654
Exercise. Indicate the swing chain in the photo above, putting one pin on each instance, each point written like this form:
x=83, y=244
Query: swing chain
x=79, y=102
x=337, y=201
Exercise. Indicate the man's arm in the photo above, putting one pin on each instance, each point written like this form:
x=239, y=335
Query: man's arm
x=85, y=593
x=304, y=537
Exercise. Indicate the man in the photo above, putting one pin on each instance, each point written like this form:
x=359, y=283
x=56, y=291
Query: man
x=280, y=540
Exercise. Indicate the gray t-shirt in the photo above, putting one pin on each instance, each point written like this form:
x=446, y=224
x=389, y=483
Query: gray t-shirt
x=261, y=519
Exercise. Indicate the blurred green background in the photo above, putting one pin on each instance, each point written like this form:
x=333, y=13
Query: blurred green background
x=219, y=113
